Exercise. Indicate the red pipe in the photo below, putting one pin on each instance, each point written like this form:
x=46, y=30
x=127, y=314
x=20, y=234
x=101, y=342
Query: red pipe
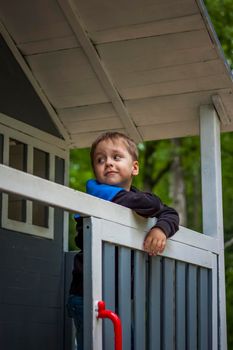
x=103, y=313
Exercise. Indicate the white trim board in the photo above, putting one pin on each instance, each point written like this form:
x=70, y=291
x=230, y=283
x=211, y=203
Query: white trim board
x=33, y=135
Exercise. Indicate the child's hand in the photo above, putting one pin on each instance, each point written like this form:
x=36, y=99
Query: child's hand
x=155, y=241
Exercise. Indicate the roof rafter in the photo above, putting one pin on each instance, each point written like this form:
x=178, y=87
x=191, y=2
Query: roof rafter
x=76, y=24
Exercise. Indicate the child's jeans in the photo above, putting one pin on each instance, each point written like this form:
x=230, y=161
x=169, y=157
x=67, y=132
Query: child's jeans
x=75, y=310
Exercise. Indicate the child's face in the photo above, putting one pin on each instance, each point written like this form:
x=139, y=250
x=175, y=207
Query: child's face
x=113, y=164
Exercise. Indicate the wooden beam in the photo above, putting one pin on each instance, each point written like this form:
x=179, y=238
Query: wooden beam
x=221, y=110
x=19, y=58
x=71, y=13
x=212, y=201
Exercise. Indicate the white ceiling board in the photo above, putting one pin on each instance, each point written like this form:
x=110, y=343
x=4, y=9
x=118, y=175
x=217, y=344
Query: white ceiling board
x=170, y=130
x=30, y=21
x=92, y=112
x=176, y=87
x=170, y=74
x=67, y=78
x=163, y=109
x=48, y=45
x=81, y=126
x=105, y=14
x=85, y=139
x=167, y=26
x=153, y=52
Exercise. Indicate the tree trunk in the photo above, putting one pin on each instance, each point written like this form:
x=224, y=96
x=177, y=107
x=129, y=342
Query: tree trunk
x=177, y=184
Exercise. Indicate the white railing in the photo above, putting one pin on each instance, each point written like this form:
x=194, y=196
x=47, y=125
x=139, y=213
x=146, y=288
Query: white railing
x=119, y=226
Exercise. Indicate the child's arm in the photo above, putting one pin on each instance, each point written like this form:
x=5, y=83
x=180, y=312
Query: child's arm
x=146, y=205
x=149, y=205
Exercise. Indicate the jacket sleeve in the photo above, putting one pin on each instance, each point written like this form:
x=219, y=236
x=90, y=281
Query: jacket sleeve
x=149, y=205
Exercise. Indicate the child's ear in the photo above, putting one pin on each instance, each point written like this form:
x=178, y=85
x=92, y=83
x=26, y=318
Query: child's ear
x=135, y=169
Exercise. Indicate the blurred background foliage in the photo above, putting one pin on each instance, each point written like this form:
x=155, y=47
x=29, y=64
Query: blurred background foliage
x=171, y=168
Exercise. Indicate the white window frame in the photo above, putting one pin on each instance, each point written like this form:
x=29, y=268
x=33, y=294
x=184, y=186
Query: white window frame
x=33, y=138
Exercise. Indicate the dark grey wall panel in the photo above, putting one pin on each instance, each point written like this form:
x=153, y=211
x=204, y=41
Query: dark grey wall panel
x=18, y=98
x=32, y=287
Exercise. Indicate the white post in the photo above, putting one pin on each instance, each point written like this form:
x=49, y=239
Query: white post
x=212, y=200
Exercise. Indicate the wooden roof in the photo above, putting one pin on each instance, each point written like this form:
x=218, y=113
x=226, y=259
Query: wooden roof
x=142, y=67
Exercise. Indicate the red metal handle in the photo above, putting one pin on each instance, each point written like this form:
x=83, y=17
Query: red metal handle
x=103, y=313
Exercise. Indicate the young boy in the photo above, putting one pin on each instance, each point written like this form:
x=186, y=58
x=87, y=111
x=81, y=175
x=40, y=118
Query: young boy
x=114, y=158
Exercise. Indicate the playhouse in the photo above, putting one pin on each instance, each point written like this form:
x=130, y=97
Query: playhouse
x=70, y=69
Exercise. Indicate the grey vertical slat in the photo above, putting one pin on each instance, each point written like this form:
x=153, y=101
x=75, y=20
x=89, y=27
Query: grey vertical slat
x=180, y=306
x=108, y=293
x=168, y=304
x=139, y=301
x=124, y=293
x=154, y=306
x=87, y=285
x=203, y=303
x=192, y=308
x=69, y=330
x=210, y=308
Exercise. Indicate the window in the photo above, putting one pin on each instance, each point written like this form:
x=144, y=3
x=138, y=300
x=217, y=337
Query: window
x=17, y=160
x=34, y=156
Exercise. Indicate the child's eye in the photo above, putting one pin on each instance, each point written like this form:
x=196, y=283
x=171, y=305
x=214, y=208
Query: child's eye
x=100, y=160
x=117, y=157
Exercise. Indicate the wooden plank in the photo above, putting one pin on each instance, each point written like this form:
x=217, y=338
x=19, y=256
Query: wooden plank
x=161, y=109
x=139, y=328
x=48, y=45
x=129, y=56
x=192, y=320
x=109, y=288
x=124, y=295
x=204, y=327
x=94, y=125
x=92, y=112
x=217, y=81
x=85, y=139
x=23, y=30
x=155, y=303
x=92, y=291
x=67, y=78
x=192, y=71
x=106, y=15
x=170, y=130
x=181, y=305
x=168, y=311
x=146, y=29
x=72, y=15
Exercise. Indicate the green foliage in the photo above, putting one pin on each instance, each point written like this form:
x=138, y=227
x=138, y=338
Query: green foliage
x=221, y=14
x=80, y=168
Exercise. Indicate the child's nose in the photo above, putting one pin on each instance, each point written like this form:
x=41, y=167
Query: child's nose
x=109, y=161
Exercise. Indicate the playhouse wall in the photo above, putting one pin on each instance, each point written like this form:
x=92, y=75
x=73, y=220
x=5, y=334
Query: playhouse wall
x=31, y=267
x=31, y=288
